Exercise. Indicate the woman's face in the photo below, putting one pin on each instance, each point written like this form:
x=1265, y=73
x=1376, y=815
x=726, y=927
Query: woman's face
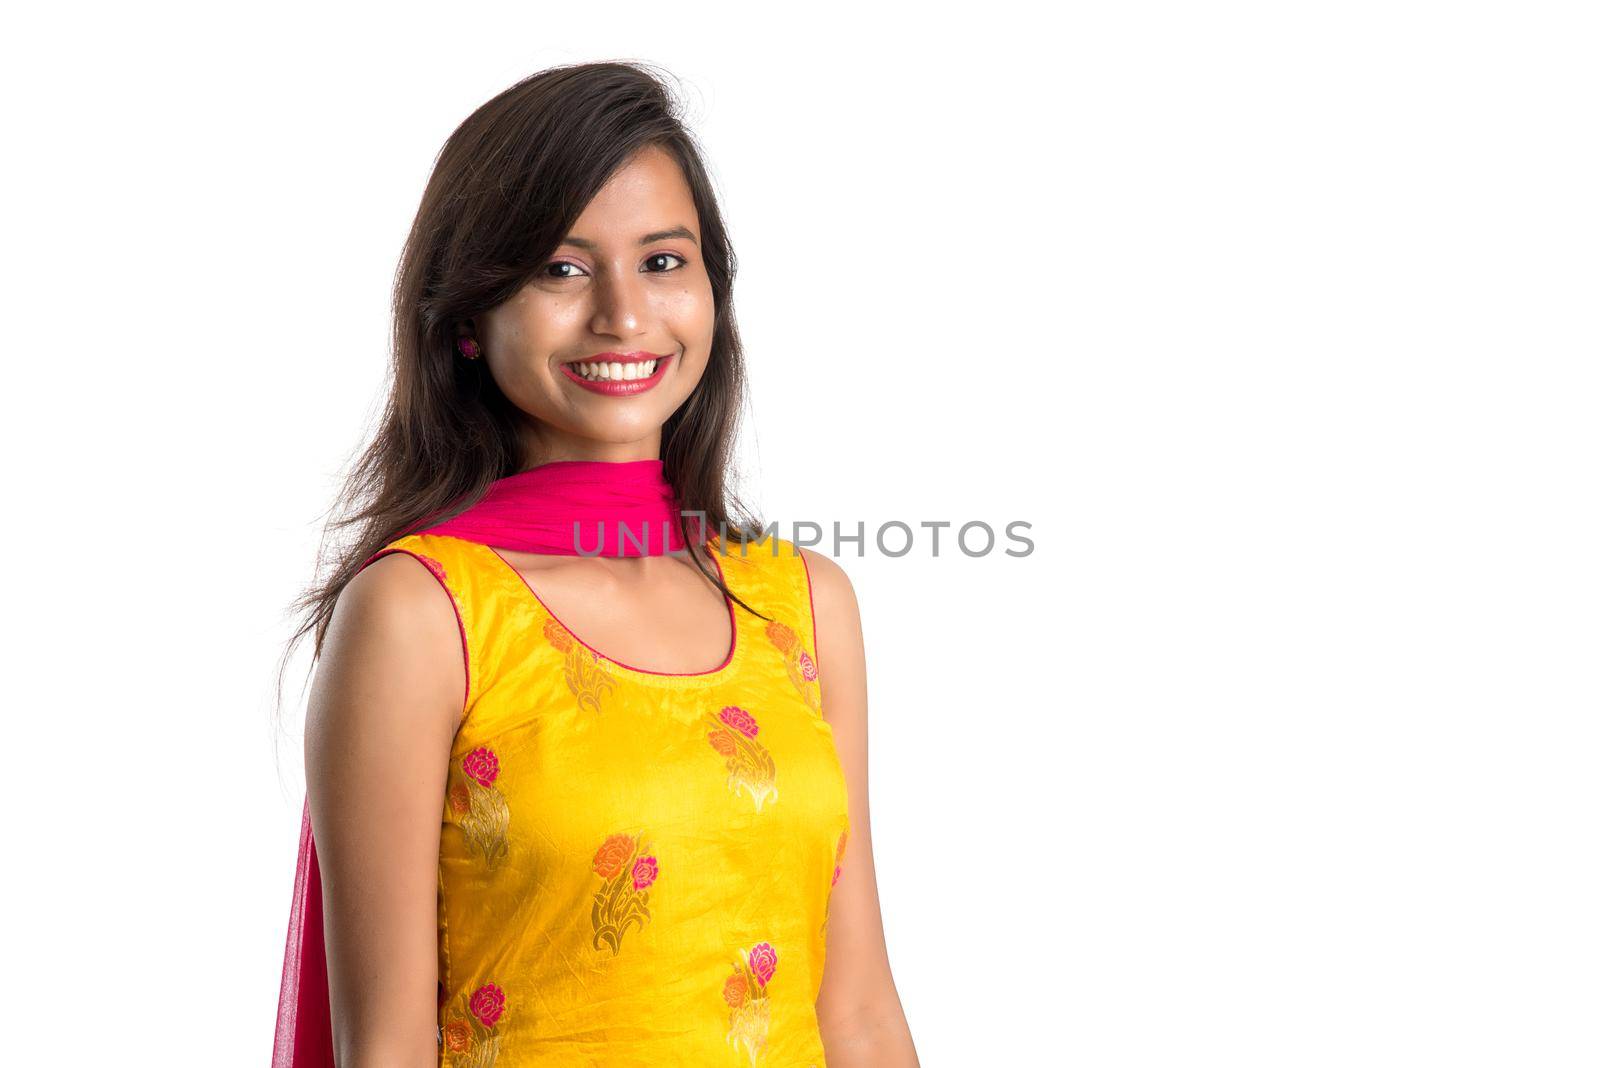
x=627, y=286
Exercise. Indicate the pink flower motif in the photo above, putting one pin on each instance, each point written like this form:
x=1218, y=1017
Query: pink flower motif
x=739, y=720
x=837, y=869
x=763, y=961
x=644, y=872
x=487, y=1003
x=808, y=668
x=482, y=765
x=432, y=565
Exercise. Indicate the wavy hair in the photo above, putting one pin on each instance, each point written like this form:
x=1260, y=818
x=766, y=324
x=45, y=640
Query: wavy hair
x=505, y=190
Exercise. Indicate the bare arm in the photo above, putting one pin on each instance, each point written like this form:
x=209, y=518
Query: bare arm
x=383, y=713
x=863, y=1024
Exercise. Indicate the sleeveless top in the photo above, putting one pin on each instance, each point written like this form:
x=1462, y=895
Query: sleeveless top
x=634, y=867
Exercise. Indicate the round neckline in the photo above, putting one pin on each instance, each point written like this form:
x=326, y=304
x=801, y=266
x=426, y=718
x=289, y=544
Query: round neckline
x=735, y=648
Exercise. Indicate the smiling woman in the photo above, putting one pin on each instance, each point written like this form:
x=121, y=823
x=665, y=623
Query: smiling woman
x=586, y=781
x=622, y=295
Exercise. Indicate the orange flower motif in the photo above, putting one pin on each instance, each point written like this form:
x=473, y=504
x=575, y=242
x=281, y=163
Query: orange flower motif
x=585, y=669
x=838, y=870
x=722, y=742
x=798, y=662
x=629, y=870
x=460, y=799
x=457, y=1036
x=781, y=636
x=616, y=852
x=557, y=635
x=736, y=991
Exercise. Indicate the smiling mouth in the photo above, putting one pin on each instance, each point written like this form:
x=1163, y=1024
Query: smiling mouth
x=615, y=370
x=627, y=375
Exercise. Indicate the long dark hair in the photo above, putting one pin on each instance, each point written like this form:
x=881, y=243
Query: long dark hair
x=506, y=188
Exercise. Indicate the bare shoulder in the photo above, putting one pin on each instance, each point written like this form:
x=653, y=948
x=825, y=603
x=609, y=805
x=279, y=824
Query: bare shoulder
x=397, y=602
x=394, y=628
x=831, y=589
x=393, y=577
x=395, y=584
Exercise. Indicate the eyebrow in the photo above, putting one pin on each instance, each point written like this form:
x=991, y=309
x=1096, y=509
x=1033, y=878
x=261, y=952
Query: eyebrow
x=659, y=235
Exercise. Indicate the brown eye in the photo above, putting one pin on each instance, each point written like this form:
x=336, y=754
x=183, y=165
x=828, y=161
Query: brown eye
x=557, y=265
x=664, y=256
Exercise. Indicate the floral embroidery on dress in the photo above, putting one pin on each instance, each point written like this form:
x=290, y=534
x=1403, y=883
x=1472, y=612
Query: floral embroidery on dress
x=838, y=869
x=799, y=662
x=628, y=871
x=432, y=565
x=586, y=675
x=750, y=766
x=745, y=991
x=477, y=1046
x=479, y=806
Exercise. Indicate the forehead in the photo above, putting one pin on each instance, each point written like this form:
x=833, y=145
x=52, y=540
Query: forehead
x=647, y=193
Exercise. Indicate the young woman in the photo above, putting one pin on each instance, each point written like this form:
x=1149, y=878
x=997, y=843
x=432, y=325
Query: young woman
x=586, y=776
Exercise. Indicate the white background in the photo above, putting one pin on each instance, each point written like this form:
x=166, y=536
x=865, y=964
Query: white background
x=1277, y=322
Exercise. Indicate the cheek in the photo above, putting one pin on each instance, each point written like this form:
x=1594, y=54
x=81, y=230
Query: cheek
x=536, y=315
x=693, y=314
x=541, y=322
x=519, y=382
x=520, y=343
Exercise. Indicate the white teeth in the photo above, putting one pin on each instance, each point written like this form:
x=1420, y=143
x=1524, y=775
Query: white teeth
x=615, y=371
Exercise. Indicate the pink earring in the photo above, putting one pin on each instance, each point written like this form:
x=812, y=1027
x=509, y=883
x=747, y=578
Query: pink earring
x=468, y=347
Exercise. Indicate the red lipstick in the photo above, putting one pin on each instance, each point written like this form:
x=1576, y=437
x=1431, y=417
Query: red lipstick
x=617, y=387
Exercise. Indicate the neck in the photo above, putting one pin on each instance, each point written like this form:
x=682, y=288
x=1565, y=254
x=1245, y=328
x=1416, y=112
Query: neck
x=541, y=446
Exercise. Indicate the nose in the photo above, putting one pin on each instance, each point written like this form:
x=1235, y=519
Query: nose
x=619, y=305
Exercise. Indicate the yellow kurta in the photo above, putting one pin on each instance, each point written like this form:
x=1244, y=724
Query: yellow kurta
x=634, y=868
